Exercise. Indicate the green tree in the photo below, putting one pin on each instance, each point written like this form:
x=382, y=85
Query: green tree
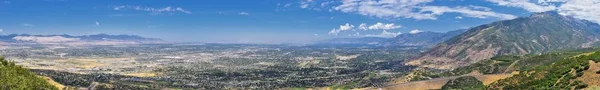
x=14, y=77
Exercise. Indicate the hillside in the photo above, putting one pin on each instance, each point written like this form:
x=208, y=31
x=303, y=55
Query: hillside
x=563, y=69
x=561, y=74
x=538, y=33
x=14, y=77
x=464, y=83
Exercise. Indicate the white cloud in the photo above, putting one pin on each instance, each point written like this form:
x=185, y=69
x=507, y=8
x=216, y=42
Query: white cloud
x=364, y=27
x=151, y=9
x=244, y=13
x=97, y=23
x=551, y=1
x=344, y=27
x=305, y=3
x=1, y=30
x=458, y=17
x=525, y=4
x=480, y=8
x=415, y=31
x=381, y=26
x=465, y=11
x=27, y=25
x=582, y=9
x=415, y=9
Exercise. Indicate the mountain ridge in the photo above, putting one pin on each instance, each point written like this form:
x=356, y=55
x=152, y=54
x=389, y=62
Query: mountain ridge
x=94, y=39
x=427, y=39
x=538, y=33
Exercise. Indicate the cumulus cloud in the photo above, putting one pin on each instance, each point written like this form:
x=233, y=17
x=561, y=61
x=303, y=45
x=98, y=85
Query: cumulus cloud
x=382, y=26
x=344, y=27
x=364, y=27
x=415, y=9
x=525, y=4
x=27, y=25
x=151, y=9
x=415, y=31
x=582, y=9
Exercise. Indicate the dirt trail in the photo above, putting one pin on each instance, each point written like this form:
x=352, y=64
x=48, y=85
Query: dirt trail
x=511, y=65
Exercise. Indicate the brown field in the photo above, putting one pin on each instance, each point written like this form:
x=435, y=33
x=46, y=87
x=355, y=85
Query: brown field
x=590, y=77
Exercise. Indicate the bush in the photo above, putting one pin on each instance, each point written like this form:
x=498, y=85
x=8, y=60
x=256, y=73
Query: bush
x=14, y=77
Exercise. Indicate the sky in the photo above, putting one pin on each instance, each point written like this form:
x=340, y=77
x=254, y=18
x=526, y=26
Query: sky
x=270, y=21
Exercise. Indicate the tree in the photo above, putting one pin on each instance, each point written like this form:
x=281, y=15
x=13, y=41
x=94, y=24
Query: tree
x=15, y=77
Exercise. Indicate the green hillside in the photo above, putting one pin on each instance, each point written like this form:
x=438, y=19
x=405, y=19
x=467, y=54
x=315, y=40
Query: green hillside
x=464, y=83
x=555, y=70
x=561, y=74
x=14, y=77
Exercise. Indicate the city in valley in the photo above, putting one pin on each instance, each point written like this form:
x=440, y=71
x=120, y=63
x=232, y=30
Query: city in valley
x=212, y=66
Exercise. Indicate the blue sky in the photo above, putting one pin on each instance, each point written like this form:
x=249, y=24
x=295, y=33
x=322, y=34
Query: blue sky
x=269, y=21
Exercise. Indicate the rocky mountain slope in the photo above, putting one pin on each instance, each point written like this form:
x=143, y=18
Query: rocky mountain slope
x=538, y=33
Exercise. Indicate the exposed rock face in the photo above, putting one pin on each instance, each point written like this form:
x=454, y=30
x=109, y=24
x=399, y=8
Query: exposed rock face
x=538, y=33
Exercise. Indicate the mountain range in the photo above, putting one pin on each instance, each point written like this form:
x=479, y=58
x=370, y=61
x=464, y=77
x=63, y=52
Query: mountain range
x=537, y=33
x=426, y=38
x=96, y=39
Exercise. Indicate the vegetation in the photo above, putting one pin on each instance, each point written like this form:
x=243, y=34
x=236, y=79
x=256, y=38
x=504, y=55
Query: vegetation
x=510, y=63
x=558, y=75
x=14, y=77
x=464, y=83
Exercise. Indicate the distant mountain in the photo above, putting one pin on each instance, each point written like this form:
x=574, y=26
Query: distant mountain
x=538, y=33
x=356, y=41
x=411, y=39
x=97, y=39
x=423, y=38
